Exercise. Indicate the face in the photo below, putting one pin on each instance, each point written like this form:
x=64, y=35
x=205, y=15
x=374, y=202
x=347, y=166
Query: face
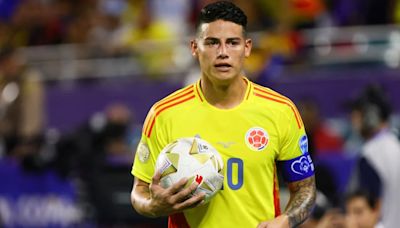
x=361, y=214
x=356, y=120
x=221, y=49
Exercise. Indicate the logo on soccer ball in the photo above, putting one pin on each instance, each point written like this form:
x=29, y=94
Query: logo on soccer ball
x=257, y=138
x=198, y=179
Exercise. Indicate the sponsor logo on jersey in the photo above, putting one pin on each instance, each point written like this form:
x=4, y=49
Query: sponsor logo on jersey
x=226, y=144
x=256, y=138
x=303, y=165
x=303, y=143
x=143, y=152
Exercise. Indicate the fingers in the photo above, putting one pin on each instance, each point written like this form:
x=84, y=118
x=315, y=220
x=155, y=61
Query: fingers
x=177, y=197
x=178, y=186
x=191, y=202
x=156, y=178
x=185, y=193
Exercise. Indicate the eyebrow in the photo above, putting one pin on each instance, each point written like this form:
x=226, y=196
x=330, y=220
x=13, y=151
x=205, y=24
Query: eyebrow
x=228, y=39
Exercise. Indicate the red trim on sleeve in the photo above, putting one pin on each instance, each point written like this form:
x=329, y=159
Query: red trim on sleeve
x=177, y=221
x=277, y=204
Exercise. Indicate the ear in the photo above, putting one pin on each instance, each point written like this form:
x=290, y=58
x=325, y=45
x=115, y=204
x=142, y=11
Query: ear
x=247, y=47
x=194, y=47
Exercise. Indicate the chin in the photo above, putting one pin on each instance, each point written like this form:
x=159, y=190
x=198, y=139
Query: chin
x=225, y=76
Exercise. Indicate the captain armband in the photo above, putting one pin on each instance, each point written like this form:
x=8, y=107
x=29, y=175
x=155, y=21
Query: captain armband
x=297, y=168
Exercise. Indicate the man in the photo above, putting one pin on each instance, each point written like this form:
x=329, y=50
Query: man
x=224, y=108
x=378, y=169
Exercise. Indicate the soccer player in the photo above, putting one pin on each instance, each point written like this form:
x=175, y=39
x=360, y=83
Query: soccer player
x=255, y=129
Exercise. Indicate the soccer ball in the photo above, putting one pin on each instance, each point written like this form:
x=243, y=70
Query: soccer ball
x=195, y=159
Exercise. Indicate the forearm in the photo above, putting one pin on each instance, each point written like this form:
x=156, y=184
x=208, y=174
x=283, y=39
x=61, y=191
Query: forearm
x=302, y=199
x=141, y=202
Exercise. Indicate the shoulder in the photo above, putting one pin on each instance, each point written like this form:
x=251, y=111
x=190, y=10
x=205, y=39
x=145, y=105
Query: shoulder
x=269, y=95
x=169, y=104
x=386, y=143
x=175, y=99
x=178, y=97
x=268, y=99
x=273, y=99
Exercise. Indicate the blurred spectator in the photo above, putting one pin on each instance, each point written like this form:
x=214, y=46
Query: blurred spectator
x=306, y=13
x=150, y=40
x=98, y=153
x=319, y=212
x=378, y=169
x=104, y=137
x=36, y=23
x=174, y=13
x=362, y=210
x=272, y=51
x=79, y=27
x=332, y=218
x=21, y=106
x=105, y=30
x=322, y=139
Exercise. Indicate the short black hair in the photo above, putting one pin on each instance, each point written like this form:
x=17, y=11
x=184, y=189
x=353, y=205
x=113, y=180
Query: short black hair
x=222, y=10
x=371, y=200
x=373, y=95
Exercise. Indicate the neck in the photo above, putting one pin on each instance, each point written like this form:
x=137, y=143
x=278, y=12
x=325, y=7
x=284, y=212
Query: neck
x=224, y=95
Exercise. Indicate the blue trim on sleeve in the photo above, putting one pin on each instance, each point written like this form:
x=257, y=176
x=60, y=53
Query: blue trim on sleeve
x=297, y=168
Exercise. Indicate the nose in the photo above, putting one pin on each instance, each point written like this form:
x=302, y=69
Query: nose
x=222, y=51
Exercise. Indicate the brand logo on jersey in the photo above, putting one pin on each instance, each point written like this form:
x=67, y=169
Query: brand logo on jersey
x=303, y=143
x=257, y=138
x=226, y=144
x=302, y=165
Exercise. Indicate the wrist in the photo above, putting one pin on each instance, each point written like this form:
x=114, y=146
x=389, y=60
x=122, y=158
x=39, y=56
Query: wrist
x=284, y=218
x=151, y=209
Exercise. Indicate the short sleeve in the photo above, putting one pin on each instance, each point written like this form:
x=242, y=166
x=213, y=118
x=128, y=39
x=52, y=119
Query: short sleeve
x=294, y=141
x=148, y=148
x=293, y=158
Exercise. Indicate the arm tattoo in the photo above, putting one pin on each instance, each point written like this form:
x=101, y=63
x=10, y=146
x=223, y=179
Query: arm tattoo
x=302, y=199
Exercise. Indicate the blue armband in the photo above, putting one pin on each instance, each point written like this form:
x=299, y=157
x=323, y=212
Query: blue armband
x=297, y=168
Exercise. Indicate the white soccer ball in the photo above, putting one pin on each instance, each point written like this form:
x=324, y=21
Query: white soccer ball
x=195, y=159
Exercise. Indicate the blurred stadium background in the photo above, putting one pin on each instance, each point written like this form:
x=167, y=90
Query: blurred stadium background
x=99, y=65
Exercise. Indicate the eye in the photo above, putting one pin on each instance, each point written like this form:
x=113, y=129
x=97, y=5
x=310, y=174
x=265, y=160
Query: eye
x=233, y=42
x=211, y=42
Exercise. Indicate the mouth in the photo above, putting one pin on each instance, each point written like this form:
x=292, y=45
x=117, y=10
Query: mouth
x=223, y=66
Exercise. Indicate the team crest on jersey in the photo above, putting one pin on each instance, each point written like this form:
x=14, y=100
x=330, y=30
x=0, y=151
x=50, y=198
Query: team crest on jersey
x=256, y=138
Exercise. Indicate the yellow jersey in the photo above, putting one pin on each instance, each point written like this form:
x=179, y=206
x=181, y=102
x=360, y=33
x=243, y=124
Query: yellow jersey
x=262, y=133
